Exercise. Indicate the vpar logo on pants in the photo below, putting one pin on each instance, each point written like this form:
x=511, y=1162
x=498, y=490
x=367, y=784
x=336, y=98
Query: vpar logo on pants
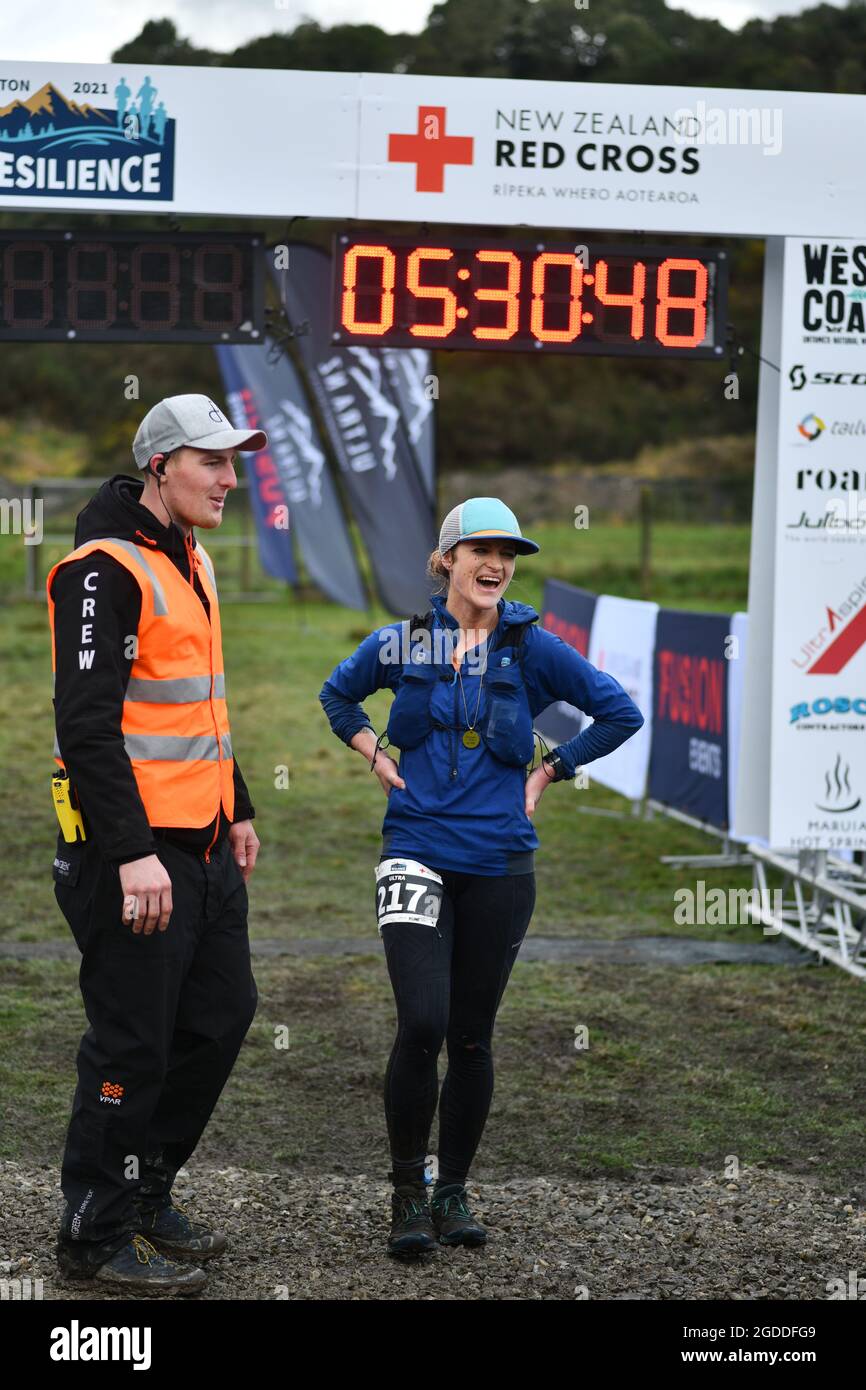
x=111, y=1093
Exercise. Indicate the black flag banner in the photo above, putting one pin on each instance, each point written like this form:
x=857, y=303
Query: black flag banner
x=317, y=522
x=268, y=499
x=379, y=467
x=410, y=376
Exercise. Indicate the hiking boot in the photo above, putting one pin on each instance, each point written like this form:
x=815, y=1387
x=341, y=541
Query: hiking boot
x=138, y=1267
x=411, y=1231
x=173, y=1233
x=452, y=1219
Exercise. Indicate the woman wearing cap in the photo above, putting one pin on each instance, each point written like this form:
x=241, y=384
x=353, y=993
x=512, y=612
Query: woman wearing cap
x=456, y=882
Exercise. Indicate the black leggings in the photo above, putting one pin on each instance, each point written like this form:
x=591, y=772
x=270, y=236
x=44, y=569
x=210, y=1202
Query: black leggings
x=448, y=982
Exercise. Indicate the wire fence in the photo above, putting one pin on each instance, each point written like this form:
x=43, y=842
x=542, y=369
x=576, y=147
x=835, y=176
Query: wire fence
x=57, y=502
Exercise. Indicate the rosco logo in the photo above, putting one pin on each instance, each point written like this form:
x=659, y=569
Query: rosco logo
x=53, y=147
x=841, y=704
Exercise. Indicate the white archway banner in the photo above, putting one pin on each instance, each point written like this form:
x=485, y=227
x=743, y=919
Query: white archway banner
x=265, y=143
x=818, y=710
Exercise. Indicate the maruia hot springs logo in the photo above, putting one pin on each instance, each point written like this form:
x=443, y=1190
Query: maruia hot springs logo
x=52, y=147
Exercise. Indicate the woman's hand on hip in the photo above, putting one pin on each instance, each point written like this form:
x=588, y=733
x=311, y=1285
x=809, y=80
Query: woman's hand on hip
x=388, y=773
x=535, y=785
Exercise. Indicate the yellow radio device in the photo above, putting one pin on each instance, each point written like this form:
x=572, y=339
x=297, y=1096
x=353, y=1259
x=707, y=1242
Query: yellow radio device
x=67, y=808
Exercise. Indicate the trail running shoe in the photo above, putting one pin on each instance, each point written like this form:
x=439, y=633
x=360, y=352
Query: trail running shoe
x=411, y=1231
x=452, y=1219
x=173, y=1233
x=138, y=1267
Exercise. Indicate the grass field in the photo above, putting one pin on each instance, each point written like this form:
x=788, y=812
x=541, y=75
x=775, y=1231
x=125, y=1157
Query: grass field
x=684, y=1065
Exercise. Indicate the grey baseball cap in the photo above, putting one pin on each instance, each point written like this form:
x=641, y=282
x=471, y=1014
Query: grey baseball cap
x=193, y=420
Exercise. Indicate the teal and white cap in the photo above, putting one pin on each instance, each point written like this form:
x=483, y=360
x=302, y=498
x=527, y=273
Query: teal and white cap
x=193, y=420
x=483, y=518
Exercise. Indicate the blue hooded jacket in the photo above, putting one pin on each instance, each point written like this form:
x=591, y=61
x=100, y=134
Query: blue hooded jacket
x=462, y=808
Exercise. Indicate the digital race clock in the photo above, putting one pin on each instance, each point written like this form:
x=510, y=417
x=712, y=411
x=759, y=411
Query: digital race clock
x=131, y=287
x=633, y=301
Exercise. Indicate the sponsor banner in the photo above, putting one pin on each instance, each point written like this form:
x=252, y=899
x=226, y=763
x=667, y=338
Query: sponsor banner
x=378, y=466
x=295, y=449
x=503, y=152
x=267, y=496
x=564, y=154
x=818, y=753
x=621, y=642
x=232, y=142
x=689, y=756
x=567, y=612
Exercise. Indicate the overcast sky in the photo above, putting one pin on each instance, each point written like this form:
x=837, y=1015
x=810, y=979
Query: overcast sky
x=88, y=30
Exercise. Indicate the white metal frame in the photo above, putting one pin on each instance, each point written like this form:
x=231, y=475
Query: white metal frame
x=823, y=903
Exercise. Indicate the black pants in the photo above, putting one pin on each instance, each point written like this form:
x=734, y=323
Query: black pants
x=168, y=1013
x=448, y=982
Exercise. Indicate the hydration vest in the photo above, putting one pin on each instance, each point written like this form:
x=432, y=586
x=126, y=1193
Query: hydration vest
x=175, y=719
x=506, y=729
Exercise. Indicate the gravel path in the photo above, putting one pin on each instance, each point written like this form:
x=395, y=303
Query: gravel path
x=672, y=1234
x=638, y=950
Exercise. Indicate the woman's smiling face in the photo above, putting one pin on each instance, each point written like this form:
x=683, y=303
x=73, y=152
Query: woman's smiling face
x=481, y=571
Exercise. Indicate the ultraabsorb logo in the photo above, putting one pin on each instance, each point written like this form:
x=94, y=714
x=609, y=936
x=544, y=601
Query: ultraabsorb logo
x=53, y=147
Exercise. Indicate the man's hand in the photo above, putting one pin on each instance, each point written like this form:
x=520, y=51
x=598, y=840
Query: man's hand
x=245, y=846
x=147, y=882
x=535, y=785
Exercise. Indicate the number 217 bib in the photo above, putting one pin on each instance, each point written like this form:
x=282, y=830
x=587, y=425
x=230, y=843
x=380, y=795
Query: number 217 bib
x=407, y=891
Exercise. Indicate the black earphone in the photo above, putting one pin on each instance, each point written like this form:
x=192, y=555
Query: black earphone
x=159, y=473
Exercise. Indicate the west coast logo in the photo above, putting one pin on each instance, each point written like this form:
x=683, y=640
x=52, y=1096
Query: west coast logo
x=51, y=146
x=833, y=308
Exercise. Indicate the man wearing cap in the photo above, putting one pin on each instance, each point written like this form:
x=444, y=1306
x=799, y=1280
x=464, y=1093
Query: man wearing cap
x=155, y=894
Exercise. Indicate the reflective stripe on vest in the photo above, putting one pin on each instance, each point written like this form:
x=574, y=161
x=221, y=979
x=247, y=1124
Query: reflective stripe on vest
x=160, y=607
x=172, y=748
x=175, y=725
x=175, y=690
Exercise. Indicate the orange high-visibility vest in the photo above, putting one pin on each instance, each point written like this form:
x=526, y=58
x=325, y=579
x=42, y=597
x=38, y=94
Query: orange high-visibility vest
x=175, y=719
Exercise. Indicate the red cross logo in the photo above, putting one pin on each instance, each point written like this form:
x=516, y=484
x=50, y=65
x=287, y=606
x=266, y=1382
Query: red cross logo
x=430, y=149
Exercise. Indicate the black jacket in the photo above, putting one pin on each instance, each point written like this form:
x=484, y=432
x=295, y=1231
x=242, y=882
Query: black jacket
x=88, y=710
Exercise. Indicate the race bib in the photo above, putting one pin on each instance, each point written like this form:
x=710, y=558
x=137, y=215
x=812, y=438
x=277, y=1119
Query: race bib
x=407, y=891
